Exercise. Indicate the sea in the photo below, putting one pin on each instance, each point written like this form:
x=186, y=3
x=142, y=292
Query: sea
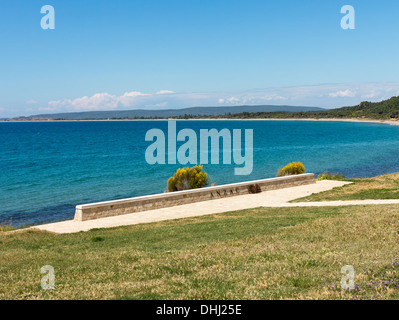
x=47, y=168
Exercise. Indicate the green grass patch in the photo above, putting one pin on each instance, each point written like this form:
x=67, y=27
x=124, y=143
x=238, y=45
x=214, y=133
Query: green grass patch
x=381, y=187
x=264, y=253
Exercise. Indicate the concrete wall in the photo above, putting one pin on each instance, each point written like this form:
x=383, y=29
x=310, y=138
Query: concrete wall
x=118, y=207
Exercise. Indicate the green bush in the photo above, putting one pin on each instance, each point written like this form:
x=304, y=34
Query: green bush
x=188, y=178
x=330, y=176
x=291, y=169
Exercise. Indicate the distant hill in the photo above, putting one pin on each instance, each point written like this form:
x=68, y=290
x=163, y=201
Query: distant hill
x=376, y=110
x=193, y=112
x=387, y=109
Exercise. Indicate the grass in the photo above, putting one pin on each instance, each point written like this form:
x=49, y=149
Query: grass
x=5, y=228
x=381, y=187
x=264, y=253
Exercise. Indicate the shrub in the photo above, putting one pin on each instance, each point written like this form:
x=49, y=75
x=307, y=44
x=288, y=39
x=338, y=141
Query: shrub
x=291, y=169
x=254, y=188
x=330, y=176
x=5, y=228
x=97, y=239
x=188, y=178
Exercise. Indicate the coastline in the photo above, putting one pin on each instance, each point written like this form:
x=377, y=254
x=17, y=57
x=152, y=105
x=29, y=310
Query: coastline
x=389, y=122
x=56, y=205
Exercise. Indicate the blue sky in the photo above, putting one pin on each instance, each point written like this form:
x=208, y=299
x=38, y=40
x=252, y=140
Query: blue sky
x=119, y=54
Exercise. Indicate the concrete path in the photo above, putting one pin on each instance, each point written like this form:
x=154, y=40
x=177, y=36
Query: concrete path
x=341, y=203
x=274, y=198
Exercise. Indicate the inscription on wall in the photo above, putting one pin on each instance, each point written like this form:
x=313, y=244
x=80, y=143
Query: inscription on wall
x=225, y=193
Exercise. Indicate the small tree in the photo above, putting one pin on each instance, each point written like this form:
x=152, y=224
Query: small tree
x=188, y=178
x=291, y=169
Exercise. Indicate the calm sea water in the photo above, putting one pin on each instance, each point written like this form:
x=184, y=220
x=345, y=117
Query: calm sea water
x=47, y=168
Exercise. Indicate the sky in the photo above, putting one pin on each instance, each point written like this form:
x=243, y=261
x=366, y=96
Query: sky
x=158, y=54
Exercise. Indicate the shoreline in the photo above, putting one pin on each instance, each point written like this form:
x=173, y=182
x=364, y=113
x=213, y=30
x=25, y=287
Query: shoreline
x=389, y=122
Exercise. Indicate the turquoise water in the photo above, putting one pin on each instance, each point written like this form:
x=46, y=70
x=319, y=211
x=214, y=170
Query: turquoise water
x=47, y=168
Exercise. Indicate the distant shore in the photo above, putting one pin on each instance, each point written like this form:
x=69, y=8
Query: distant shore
x=390, y=122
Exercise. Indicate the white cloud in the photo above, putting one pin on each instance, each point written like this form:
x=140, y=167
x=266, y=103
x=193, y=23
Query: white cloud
x=273, y=97
x=129, y=97
x=160, y=105
x=45, y=109
x=252, y=98
x=232, y=100
x=342, y=94
x=98, y=101
x=165, y=92
x=133, y=99
x=133, y=94
x=369, y=95
x=324, y=96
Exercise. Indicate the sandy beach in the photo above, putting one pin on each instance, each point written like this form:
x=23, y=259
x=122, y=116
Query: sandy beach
x=389, y=122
